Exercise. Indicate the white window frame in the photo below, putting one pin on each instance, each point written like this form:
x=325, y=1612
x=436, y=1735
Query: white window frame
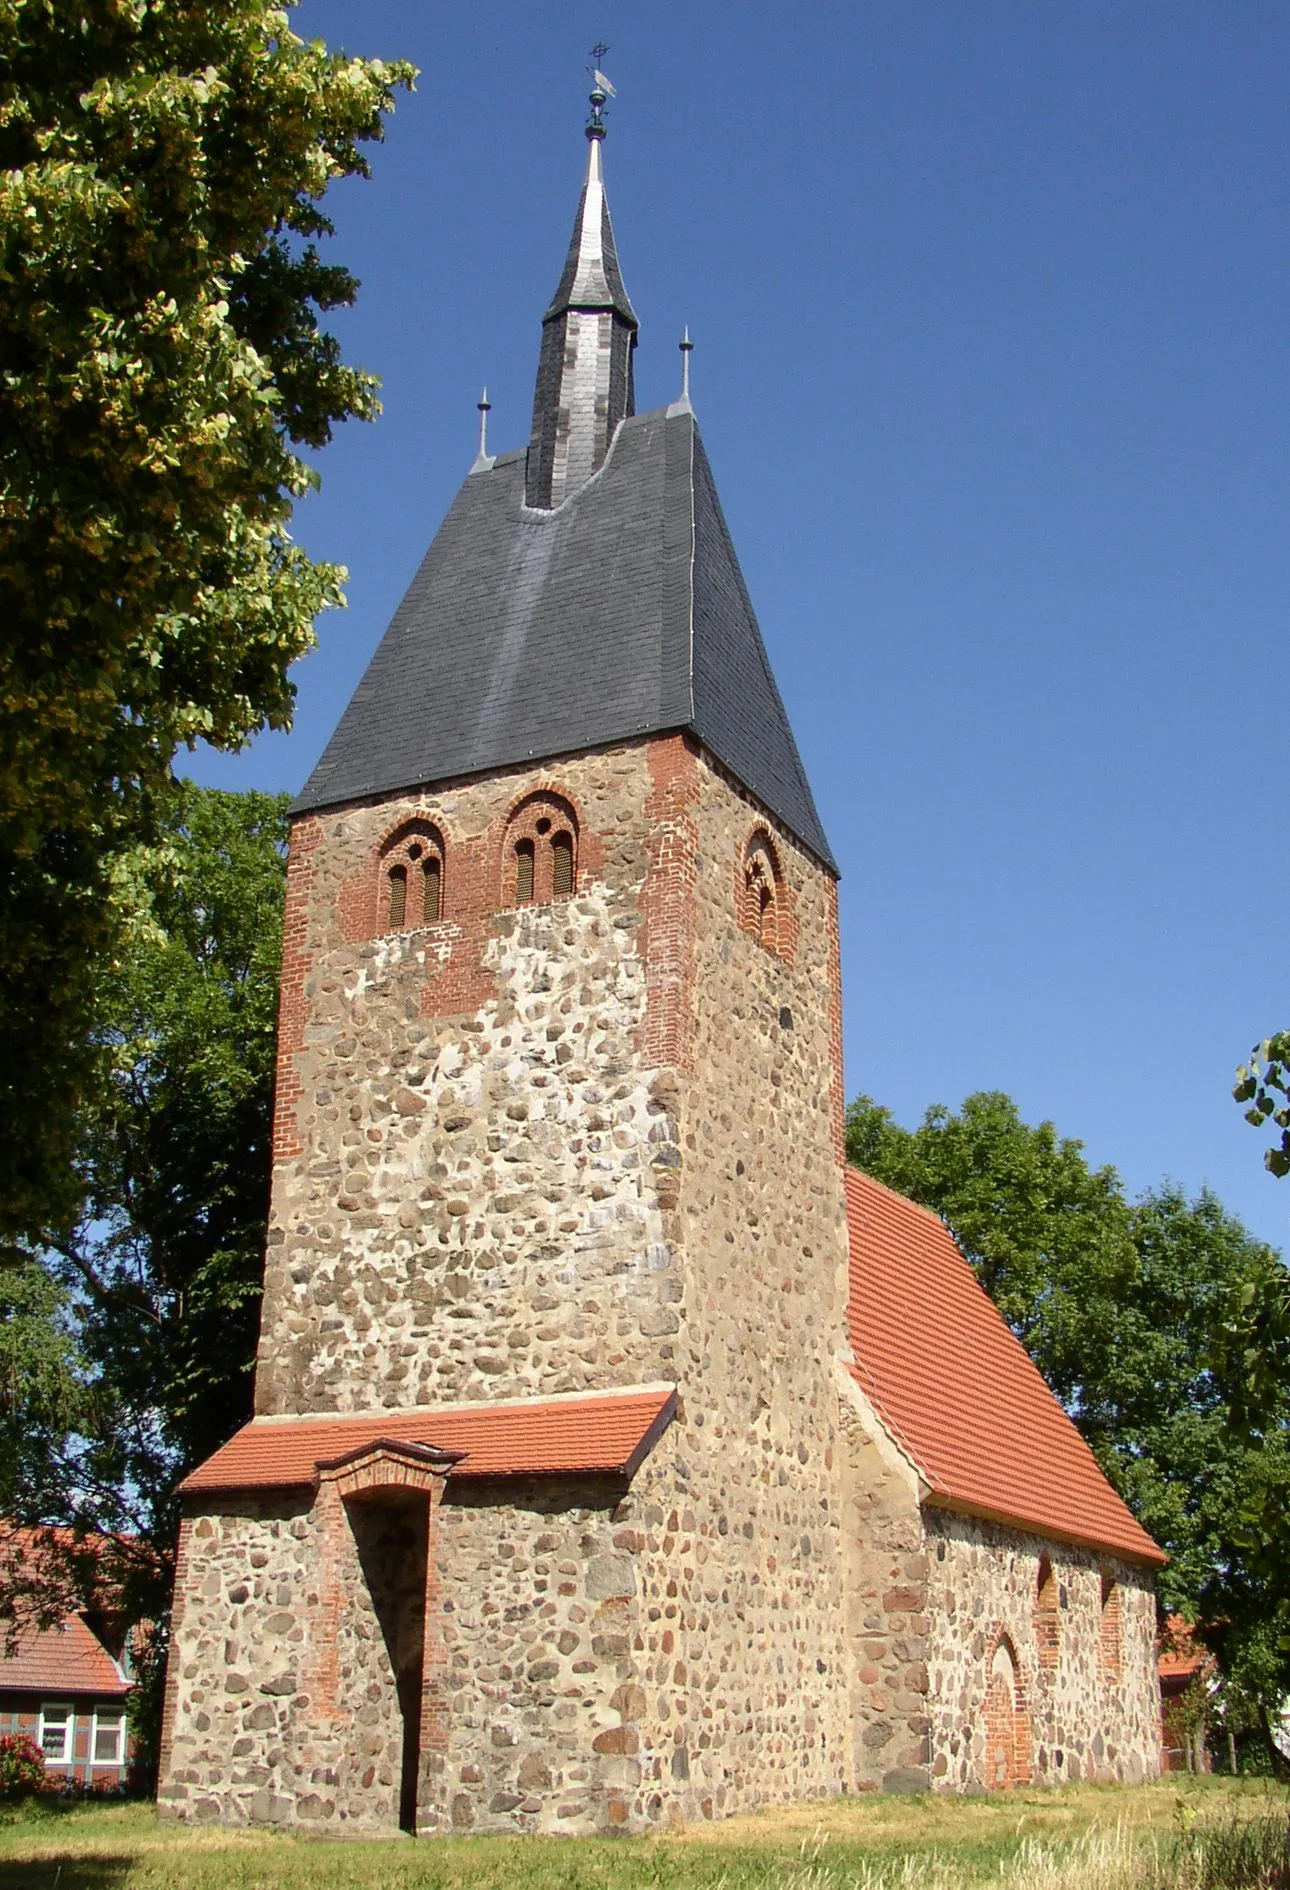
x=115, y=1716
x=66, y=1722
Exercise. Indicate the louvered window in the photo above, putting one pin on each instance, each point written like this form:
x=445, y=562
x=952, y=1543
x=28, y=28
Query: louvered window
x=562, y=866
x=432, y=879
x=398, y=897
x=524, y=856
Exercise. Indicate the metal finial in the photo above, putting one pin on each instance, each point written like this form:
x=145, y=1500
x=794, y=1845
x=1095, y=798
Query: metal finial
x=687, y=349
x=485, y=405
x=601, y=90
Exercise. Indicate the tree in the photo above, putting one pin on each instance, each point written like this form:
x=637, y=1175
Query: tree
x=162, y=164
x=1264, y=1083
x=1121, y=1305
x=127, y=1345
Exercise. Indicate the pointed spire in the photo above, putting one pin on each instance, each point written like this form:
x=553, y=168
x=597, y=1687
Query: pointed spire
x=482, y=460
x=584, y=380
x=682, y=403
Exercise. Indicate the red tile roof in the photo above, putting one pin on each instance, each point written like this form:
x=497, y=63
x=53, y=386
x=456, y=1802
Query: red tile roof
x=61, y=1660
x=608, y=1435
x=1182, y=1656
x=958, y=1392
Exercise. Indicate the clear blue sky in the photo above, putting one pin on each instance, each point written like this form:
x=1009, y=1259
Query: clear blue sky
x=990, y=304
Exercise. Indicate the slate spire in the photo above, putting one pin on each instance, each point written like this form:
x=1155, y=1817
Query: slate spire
x=584, y=379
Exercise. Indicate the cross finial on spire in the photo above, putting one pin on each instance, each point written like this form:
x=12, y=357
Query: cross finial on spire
x=601, y=90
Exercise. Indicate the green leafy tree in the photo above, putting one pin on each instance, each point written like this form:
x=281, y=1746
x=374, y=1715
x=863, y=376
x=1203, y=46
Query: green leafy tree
x=162, y=368
x=127, y=1345
x=1264, y=1085
x=1119, y=1303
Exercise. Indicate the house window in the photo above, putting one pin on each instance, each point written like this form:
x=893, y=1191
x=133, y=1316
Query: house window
x=412, y=877
x=1048, y=1618
x=1110, y=1637
x=54, y=1735
x=108, y=1745
x=761, y=893
x=541, y=852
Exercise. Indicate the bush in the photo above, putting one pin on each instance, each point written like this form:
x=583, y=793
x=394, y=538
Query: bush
x=22, y=1766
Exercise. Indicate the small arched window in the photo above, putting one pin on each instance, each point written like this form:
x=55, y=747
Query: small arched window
x=561, y=865
x=524, y=874
x=398, y=897
x=541, y=852
x=1048, y=1619
x=760, y=892
x=412, y=874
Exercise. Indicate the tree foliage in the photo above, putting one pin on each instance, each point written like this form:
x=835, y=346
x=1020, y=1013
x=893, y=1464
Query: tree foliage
x=1123, y=1306
x=1264, y=1084
x=162, y=364
x=127, y=1344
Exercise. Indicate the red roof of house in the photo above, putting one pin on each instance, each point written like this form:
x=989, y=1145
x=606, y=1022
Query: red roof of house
x=957, y=1390
x=607, y=1435
x=61, y=1660
x=1181, y=1654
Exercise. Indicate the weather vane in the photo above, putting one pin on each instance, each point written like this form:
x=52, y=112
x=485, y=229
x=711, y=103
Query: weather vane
x=601, y=90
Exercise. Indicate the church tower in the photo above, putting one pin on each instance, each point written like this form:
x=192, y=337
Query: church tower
x=537, y=1524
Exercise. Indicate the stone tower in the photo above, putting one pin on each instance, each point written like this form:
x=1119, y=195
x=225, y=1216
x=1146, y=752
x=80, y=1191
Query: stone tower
x=538, y=1523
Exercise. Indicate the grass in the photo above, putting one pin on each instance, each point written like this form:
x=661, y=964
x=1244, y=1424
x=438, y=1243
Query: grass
x=1192, y=1834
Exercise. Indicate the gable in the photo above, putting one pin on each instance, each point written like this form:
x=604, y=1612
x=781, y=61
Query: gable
x=957, y=1389
x=529, y=634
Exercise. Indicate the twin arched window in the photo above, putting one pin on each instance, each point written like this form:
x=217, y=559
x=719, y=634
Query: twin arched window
x=541, y=856
x=761, y=892
x=411, y=890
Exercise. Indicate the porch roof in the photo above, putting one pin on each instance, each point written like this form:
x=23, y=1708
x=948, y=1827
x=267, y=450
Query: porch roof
x=598, y=1434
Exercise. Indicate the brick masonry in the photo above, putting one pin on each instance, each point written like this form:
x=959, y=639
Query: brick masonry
x=589, y=1142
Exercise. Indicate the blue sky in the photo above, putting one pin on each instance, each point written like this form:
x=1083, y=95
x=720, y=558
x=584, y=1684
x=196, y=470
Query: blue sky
x=989, y=301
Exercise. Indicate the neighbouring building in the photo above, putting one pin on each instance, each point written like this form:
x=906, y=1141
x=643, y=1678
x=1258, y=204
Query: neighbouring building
x=65, y=1685
x=619, y=1459
x=1186, y=1665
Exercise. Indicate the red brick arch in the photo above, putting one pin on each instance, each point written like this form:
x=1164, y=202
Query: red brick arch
x=540, y=848
x=764, y=903
x=1008, y=1759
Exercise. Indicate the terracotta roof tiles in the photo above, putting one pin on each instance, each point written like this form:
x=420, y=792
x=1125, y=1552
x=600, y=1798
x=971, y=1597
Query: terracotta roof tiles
x=605, y=1435
x=65, y=1659
x=957, y=1390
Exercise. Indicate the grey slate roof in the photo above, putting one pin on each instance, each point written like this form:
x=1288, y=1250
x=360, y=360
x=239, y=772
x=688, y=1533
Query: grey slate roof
x=528, y=634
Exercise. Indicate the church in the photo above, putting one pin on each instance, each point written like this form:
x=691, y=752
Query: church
x=621, y=1459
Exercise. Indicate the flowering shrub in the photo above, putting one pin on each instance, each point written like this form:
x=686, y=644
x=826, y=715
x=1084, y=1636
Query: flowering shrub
x=22, y=1766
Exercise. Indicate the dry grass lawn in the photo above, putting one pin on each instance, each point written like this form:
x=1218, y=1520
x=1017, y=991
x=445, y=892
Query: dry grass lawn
x=1083, y=1838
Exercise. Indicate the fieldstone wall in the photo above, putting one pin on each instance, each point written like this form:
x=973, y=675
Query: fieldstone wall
x=886, y=1602
x=743, y=1656
x=464, y=1203
x=282, y=1710
x=541, y=1596
x=1093, y=1712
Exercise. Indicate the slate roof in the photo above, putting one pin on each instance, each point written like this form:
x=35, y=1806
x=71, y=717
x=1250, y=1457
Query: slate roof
x=959, y=1393
x=64, y=1659
x=529, y=634
x=606, y=1435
